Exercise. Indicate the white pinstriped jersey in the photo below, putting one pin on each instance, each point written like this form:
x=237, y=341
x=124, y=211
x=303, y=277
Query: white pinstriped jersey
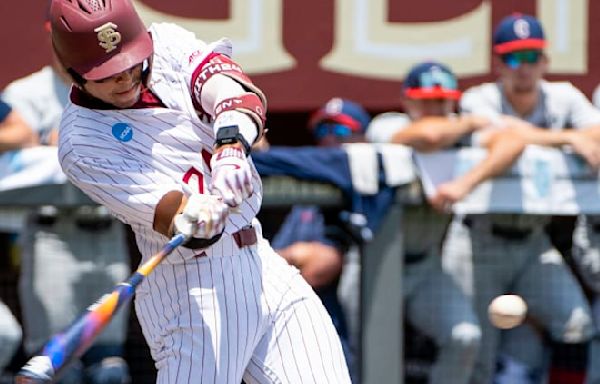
x=241, y=312
x=129, y=159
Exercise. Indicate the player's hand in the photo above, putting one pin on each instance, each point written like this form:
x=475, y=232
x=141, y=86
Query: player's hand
x=586, y=148
x=231, y=176
x=203, y=217
x=476, y=123
x=448, y=194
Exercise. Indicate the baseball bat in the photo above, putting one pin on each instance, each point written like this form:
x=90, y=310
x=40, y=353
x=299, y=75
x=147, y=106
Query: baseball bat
x=79, y=336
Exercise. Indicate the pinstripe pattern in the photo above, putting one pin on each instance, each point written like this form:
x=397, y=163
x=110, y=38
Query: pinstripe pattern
x=288, y=337
x=234, y=313
x=130, y=178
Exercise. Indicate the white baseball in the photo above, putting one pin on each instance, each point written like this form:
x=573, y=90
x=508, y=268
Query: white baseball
x=507, y=311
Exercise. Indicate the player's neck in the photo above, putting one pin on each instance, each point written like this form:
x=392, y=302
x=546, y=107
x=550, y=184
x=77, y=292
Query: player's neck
x=523, y=103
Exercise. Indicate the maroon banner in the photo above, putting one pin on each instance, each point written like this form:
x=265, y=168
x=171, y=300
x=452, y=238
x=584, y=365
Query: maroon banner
x=304, y=52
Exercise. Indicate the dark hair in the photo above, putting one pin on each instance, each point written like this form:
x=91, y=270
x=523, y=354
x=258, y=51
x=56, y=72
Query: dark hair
x=77, y=78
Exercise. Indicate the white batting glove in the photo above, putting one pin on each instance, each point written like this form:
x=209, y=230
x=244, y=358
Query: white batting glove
x=231, y=176
x=203, y=217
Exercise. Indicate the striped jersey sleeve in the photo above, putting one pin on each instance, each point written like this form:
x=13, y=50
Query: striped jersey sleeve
x=127, y=183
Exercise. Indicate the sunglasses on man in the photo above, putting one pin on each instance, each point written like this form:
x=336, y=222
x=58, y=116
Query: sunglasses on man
x=338, y=130
x=515, y=59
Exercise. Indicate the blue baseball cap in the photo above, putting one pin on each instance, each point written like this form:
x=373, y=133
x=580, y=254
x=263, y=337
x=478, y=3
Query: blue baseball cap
x=431, y=80
x=518, y=32
x=341, y=117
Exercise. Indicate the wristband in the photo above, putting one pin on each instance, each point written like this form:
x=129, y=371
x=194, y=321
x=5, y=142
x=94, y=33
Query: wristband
x=229, y=135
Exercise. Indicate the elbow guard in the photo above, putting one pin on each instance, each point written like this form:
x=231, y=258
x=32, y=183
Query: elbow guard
x=252, y=103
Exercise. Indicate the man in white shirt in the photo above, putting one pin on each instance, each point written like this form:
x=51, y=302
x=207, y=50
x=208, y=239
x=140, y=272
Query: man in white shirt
x=512, y=252
x=434, y=304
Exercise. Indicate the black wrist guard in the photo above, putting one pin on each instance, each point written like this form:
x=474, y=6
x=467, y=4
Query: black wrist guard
x=196, y=243
x=230, y=135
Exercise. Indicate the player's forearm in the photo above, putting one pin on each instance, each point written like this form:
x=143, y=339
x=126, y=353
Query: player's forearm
x=15, y=133
x=320, y=264
x=170, y=205
x=433, y=133
x=547, y=137
x=220, y=88
x=503, y=149
x=593, y=132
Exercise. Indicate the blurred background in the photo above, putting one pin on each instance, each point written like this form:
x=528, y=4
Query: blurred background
x=302, y=53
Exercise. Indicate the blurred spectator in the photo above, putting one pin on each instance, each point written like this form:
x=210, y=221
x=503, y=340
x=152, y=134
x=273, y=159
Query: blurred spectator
x=314, y=240
x=70, y=255
x=512, y=252
x=14, y=133
x=433, y=302
x=586, y=256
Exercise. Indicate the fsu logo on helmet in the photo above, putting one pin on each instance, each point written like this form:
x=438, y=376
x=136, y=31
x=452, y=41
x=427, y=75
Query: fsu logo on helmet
x=108, y=36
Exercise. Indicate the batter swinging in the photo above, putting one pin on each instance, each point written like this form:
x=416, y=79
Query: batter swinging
x=159, y=130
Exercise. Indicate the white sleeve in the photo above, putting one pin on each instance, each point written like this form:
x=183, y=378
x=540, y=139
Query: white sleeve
x=483, y=100
x=129, y=189
x=596, y=97
x=20, y=100
x=582, y=112
x=383, y=127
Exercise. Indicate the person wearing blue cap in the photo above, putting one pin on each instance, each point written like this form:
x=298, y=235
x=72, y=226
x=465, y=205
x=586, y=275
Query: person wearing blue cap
x=434, y=304
x=316, y=240
x=339, y=121
x=533, y=268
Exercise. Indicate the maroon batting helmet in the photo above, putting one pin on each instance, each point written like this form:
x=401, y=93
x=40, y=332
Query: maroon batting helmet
x=98, y=38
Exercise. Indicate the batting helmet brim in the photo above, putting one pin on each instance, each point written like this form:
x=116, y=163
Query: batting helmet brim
x=129, y=56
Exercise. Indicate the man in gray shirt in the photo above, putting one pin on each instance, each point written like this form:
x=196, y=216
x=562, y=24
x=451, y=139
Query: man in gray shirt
x=512, y=253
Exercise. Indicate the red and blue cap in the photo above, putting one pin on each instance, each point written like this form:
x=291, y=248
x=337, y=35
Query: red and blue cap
x=518, y=32
x=348, y=116
x=431, y=80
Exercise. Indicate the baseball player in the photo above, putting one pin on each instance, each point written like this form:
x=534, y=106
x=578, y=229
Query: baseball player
x=434, y=303
x=512, y=253
x=159, y=130
x=316, y=240
x=68, y=253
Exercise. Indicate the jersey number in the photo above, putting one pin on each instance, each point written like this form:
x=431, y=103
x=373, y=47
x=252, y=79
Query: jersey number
x=189, y=175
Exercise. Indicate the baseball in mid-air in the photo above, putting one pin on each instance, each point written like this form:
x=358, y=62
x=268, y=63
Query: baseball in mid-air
x=507, y=311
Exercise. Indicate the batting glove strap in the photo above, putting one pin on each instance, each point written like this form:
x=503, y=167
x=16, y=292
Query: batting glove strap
x=195, y=243
x=231, y=176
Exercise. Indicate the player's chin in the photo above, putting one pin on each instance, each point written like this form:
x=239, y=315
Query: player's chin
x=127, y=98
